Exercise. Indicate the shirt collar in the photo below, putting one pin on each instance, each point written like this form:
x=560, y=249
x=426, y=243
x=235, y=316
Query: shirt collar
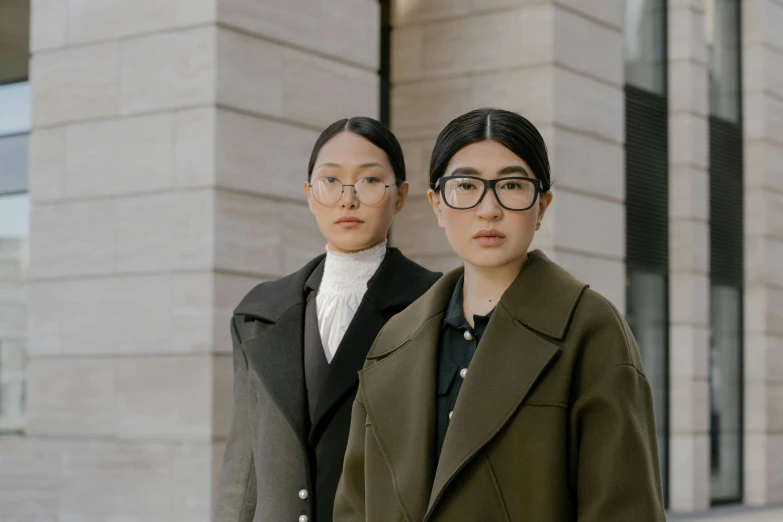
x=455, y=315
x=349, y=273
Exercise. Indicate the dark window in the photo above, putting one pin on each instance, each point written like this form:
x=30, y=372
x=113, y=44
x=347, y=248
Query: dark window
x=645, y=45
x=647, y=179
x=723, y=55
x=647, y=201
x=647, y=316
x=14, y=129
x=647, y=245
x=385, y=63
x=726, y=250
x=726, y=393
x=13, y=164
x=14, y=206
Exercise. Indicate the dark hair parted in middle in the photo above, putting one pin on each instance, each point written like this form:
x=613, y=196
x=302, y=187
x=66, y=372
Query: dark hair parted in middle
x=373, y=131
x=509, y=129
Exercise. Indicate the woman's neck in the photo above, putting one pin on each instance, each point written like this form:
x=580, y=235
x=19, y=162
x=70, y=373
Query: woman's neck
x=483, y=287
x=331, y=247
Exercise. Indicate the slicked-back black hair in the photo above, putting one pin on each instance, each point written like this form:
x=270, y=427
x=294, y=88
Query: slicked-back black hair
x=509, y=129
x=373, y=131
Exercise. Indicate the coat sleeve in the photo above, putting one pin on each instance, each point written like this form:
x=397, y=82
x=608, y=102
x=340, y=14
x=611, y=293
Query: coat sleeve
x=349, y=504
x=618, y=475
x=236, y=500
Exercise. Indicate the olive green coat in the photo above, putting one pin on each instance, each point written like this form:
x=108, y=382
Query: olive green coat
x=554, y=421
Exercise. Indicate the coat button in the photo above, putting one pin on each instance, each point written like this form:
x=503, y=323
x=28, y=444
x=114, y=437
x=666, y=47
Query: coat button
x=304, y=518
x=463, y=372
x=467, y=335
x=303, y=494
x=451, y=413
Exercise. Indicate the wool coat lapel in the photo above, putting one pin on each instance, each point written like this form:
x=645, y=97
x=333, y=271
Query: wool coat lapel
x=395, y=285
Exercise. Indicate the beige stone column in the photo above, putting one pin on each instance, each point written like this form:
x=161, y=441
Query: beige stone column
x=13, y=316
x=169, y=148
x=689, y=249
x=762, y=83
x=558, y=63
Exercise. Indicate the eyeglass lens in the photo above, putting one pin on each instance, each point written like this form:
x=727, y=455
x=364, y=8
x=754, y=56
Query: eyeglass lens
x=513, y=193
x=329, y=190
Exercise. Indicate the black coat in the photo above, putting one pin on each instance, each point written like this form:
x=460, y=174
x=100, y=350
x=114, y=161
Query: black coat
x=275, y=455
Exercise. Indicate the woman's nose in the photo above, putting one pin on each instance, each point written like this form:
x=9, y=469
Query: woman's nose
x=489, y=207
x=349, y=198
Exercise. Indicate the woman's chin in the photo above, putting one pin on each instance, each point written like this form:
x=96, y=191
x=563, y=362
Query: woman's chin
x=352, y=244
x=490, y=257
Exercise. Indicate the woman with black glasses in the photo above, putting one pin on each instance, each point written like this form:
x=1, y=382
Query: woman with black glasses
x=510, y=390
x=300, y=341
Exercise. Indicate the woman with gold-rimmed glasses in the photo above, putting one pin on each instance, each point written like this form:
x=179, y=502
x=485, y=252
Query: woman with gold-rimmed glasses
x=369, y=191
x=300, y=341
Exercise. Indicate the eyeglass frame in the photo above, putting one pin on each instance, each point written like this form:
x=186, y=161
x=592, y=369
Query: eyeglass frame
x=491, y=183
x=355, y=194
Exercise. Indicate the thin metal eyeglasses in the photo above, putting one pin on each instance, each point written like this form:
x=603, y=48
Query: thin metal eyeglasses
x=517, y=193
x=329, y=190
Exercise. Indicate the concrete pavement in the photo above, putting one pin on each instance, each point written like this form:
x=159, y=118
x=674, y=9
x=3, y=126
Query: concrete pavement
x=733, y=514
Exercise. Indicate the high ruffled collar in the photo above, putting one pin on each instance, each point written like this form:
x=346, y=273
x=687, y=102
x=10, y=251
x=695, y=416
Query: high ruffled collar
x=349, y=273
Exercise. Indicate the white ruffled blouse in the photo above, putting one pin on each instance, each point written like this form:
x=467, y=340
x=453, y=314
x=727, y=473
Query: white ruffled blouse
x=343, y=286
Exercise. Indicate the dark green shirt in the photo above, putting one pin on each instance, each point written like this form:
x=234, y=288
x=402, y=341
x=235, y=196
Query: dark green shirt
x=458, y=343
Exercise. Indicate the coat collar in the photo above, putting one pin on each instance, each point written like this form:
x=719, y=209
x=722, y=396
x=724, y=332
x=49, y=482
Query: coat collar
x=543, y=297
x=268, y=301
x=517, y=347
x=397, y=283
x=314, y=281
x=455, y=313
x=276, y=355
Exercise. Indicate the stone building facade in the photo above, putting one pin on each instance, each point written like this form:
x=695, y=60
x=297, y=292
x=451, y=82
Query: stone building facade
x=168, y=146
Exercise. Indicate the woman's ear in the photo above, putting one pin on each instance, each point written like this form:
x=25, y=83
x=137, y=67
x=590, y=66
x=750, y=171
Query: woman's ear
x=309, y=196
x=402, y=196
x=544, y=201
x=434, y=198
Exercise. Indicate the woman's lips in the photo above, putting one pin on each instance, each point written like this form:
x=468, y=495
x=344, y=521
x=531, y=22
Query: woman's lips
x=489, y=238
x=349, y=222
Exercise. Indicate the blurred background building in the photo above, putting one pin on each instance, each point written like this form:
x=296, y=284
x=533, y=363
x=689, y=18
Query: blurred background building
x=152, y=155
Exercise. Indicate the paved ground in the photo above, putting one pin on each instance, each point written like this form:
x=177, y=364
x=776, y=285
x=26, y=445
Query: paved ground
x=734, y=514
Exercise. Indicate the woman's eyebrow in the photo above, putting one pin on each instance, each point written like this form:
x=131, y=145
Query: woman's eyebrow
x=371, y=165
x=465, y=171
x=513, y=169
x=363, y=166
